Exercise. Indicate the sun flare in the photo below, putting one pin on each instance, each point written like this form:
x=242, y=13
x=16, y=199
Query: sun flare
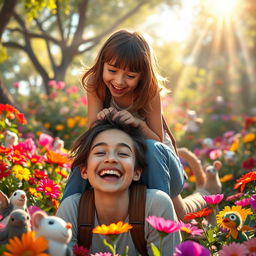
x=223, y=9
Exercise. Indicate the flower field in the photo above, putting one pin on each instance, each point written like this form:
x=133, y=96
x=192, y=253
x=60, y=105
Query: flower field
x=39, y=165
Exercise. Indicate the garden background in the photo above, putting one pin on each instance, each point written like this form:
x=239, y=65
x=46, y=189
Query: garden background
x=206, y=50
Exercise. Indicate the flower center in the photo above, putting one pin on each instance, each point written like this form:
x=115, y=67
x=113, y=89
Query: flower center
x=27, y=253
x=252, y=249
x=186, y=230
x=48, y=189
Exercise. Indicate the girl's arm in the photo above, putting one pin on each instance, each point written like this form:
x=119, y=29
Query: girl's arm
x=95, y=105
x=153, y=126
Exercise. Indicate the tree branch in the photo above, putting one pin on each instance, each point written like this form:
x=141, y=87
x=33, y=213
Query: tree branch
x=116, y=24
x=59, y=22
x=6, y=14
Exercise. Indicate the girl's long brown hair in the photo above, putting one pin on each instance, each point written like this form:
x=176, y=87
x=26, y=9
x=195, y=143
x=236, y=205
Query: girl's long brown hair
x=127, y=50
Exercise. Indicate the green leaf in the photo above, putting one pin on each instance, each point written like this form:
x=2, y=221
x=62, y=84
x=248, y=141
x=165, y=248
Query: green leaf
x=155, y=250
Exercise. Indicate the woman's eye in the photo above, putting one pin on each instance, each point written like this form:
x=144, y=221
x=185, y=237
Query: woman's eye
x=100, y=153
x=112, y=70
x=123, y=154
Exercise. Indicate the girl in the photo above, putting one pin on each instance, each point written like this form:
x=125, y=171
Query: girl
x=123, y=81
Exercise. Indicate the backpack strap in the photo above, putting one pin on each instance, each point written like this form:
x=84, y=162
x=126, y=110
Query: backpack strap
x=166, y=128
x=85, y=218
x=137, y=217
x=86, y=213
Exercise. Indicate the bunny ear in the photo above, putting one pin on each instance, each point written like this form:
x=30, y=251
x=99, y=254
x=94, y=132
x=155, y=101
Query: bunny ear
x=4, y=201
x=37, y=217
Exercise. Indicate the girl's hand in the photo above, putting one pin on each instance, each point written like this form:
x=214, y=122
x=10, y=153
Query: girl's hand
x=126, y=117
x=106, y=111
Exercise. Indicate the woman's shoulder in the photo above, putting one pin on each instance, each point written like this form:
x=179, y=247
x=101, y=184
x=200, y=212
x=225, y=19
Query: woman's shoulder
x=71, y=202
x=158, y=203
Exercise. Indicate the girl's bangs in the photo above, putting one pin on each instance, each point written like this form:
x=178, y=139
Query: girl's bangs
x=126, y=57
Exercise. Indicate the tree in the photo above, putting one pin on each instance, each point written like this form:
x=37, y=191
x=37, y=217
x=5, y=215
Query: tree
x=65, y=34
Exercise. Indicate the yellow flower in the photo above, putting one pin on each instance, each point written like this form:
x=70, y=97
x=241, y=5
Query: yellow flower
x=59, y=127
x=192, y=178
x=47, y=125
x=71, y=123
x=226, y=178
x=234, y=145
x=28, y=245
x=249, y=137
x=112, y=229
x=21, y=173
x=83, y=122
x=34, y=192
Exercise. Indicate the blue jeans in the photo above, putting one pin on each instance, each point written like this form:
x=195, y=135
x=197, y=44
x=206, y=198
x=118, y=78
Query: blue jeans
x=164, y=172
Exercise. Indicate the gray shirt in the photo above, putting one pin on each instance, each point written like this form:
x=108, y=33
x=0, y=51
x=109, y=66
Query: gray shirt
x=158, y=203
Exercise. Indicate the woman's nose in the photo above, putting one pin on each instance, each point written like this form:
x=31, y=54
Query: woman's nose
x=111, y=158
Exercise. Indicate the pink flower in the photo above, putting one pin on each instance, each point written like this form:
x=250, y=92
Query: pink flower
x=60, y=85
x=162, y=225
x=215, y=154
x=28, y=145
x=235, y=196
x=52, y=83
x=46, y=140
x=251, y=246
x=48, y=187
x=189, y=248
x=253, y=203
x=243, y=202
x=16, y=85
x=72, y=89
x=233, y=249
x=104, y=254
x=80, y=251
x=189, y=229
x=213, y=199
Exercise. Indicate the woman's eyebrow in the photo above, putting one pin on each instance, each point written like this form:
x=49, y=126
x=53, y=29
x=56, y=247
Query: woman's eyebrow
x=105, y=144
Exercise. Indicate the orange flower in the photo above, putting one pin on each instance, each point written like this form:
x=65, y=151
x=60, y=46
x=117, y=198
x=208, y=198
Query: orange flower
x=27, y=245
x=226, y=178
x=57, y=158
x=204, y=212
x=246, y=178
x=112, y=229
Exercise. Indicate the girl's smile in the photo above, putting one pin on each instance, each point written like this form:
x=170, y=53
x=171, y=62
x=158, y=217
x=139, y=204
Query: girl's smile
x=121, y=82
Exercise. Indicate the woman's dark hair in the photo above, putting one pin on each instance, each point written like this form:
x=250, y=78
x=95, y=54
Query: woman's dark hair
x=82, y=145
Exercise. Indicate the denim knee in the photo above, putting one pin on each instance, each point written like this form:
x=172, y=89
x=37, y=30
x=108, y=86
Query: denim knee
x=164, y=170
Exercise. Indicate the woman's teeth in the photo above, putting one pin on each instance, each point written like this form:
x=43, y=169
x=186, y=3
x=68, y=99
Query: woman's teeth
x=109, y=172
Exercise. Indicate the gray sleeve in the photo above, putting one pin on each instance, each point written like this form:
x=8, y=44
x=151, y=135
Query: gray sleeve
x=159, y=204
x=68, y=211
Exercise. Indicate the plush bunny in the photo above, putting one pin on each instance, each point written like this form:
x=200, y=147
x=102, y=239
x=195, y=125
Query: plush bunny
x=55, y=230
x=58, y=145
x=18, y=223
x=18, y=200
x=11, y=139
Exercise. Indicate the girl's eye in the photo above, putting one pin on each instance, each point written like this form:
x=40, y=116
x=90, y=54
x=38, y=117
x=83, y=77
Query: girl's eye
x=112, y=70
x=131, y=76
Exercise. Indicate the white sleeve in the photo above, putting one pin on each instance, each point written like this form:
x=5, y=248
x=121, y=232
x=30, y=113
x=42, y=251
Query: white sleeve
x=160, y=204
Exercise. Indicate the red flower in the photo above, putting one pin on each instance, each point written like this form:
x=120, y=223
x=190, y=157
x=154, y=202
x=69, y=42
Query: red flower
x=249, y=121
x=249, y=163
x=48, y=187
x=11, y=112
x=80, y=251
x=4, y=150
x=202, y=213
x=4, y=172
x=246, y=178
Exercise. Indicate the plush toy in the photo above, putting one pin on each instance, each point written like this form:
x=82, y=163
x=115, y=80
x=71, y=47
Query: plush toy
x=18, y=223
x=11, y=139
x=18, y=200
x=55, y=230
x=233, y=218
x=58, y=145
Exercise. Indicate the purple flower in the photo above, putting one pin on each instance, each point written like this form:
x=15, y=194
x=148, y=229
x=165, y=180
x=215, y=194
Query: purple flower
x=189, y=248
